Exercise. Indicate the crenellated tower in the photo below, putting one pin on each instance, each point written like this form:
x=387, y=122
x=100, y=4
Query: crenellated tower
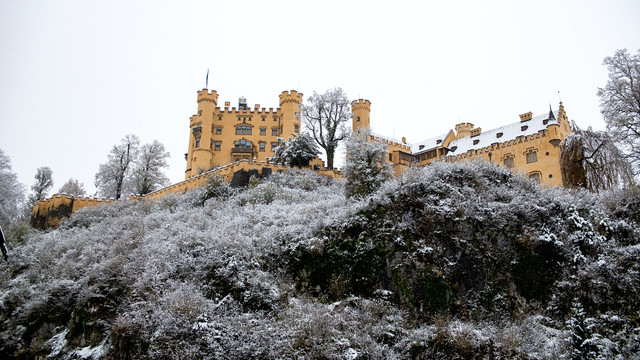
x=290, y=118
x=200, y=153
x=361, y=110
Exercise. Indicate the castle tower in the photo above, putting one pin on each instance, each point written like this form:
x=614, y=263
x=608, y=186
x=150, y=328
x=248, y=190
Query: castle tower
x=290, y=107
x=361, y=110
x=463, y=130
x=200, y=154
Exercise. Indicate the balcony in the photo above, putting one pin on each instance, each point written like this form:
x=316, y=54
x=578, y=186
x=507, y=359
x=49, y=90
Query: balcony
x=241, y=150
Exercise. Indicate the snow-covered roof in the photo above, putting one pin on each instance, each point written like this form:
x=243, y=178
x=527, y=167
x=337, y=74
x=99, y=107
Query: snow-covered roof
x=428, y=144
x=509, y=132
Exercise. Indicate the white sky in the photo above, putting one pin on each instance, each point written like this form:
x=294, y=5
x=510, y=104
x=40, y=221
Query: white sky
x=77, y=76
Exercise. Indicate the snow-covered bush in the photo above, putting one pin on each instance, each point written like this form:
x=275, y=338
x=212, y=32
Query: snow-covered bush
x=454, y=260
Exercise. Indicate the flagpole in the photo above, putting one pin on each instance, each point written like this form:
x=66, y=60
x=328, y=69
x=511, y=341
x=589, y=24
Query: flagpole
x=206, y=81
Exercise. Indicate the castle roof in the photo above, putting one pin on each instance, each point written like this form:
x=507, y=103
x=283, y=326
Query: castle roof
x=428, y=144
x=504, y=133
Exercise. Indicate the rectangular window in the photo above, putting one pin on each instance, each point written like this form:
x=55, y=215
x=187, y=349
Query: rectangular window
x=243, y=130
x=532, y=156
x=274, y=131
x=210, y=143
x=216, y=146
x=218, y=131
x=390, y=157
x=262, y=145
x=197, y=142
x=273, y=146
x=296, y=129
x=508, y=162
x=263, y=131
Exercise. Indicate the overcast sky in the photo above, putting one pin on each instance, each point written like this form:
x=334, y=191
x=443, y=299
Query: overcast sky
x=77, y=76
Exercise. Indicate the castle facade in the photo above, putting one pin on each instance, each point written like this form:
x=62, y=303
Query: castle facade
x=530, y=145
x=223, y=135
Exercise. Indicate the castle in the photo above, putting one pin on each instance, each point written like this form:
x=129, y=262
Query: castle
x=231, y=141
x=530, y=145
x=220, y=136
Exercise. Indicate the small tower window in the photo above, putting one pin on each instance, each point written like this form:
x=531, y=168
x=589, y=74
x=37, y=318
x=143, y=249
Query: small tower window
x=197, y=142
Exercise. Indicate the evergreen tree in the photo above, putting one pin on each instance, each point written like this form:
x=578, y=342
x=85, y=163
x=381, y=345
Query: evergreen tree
x=366, y=165
x=295, y=152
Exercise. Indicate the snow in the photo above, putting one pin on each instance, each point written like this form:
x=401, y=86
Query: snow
x=428, y=144
x=509, y=132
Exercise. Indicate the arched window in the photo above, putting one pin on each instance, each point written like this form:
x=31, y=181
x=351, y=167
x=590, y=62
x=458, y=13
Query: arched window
x=535, y=176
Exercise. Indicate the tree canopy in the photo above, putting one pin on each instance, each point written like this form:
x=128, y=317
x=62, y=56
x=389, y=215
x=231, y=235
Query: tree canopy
x=325, y=116
x=133, y=168
x=366, y=166
x=590, y=159
x=11, y=191
x=620, y=102
x=295, y=152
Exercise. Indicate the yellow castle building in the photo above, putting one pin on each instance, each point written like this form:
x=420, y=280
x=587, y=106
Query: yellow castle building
x=222, y=135
x=530, y=145
x=227, y=141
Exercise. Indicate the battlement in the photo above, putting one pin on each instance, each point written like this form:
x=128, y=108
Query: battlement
x=463, y=130
x=474, y=153
x=290, y=96
x=205, y=95
x=361, y=104
x=234, y=110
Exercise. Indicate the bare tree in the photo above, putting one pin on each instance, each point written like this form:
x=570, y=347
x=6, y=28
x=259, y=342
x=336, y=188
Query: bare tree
x=44, y=182
x=325, y=116
x=590, y=159
x=620, y=102
x=11, y=192
x=147, y=174
x=73, y=187
x=111, y=176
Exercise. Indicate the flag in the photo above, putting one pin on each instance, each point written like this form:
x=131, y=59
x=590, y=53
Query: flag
x=206, y=82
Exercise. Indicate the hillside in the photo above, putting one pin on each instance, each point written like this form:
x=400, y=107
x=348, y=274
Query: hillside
x=449, y=261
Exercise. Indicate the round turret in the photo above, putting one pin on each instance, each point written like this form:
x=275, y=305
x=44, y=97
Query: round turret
x=361, y=110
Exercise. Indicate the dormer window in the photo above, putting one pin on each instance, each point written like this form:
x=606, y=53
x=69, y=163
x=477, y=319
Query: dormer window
x=420, y=147
x=475, y=142
x=454, y=148
x=499, y=135
x=438, y=142
x=523, y=128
